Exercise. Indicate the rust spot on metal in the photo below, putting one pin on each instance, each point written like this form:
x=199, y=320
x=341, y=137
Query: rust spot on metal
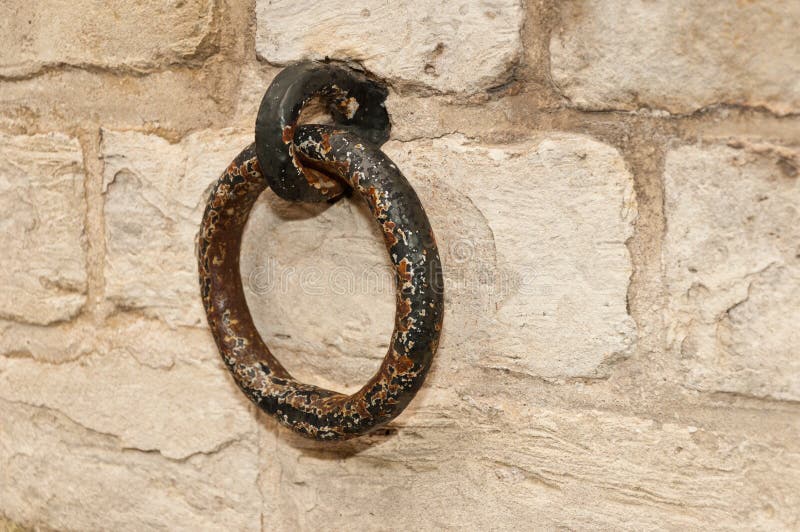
x=326, y=144
x=376, y=202
x=320, y=180
x=404, y=269
x=388, y=233
x=288, y=134
x=402, y=363
x=403, y=308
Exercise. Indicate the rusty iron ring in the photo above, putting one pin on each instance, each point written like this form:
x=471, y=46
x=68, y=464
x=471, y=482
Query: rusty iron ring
x=310, y=410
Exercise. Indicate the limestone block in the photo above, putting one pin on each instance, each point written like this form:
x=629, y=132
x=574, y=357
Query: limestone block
x=678, y=56
x=122, y=436
x=138, y=36
x=155, y=192
x=451, y=46
x=177, y=412
x=732, y=265
x=61, y=475
x=43, y=259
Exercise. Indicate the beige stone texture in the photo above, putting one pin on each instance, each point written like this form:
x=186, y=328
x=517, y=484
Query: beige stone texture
x=449, y=46
x=471, y=460
x=39, y=34
x=155, y=194
x=732, y=265
x=210, y=415
x=74, y=478
x=619, y=349
x=678, y=56
x=145, y=431
x=43, y=260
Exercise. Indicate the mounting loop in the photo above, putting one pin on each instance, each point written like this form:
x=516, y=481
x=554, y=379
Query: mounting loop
x=348, y=156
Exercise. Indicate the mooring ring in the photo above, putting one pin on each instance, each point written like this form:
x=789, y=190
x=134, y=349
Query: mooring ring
x=311, y=410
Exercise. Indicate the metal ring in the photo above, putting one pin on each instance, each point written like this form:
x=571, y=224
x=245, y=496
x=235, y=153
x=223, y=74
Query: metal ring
x=355, y=103
x=310, y=410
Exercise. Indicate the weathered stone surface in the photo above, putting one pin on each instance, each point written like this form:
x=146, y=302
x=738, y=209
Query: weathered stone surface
x=58, y=474
x=320, y=288
x=55, y=343
x=732, y=265
x=143, y=421
x=151, y=342
x=494, y=462
x=38, y=34
x=532, y=238
x=462, y=46
x=184, y=410
x=155, y=194
x=43, y=259
x=175, y=100
x=678, y=56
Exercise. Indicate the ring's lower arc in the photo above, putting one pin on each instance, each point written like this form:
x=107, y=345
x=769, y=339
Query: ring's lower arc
x=310, y=410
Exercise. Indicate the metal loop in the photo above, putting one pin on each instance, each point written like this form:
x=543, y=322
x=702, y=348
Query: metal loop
x=354, y=101
x=310, y=410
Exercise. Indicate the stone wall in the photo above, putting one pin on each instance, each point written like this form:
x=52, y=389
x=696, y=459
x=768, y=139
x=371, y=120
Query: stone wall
x=614, y=187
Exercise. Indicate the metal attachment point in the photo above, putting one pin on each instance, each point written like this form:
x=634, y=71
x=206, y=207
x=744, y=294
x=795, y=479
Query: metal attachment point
x=284, y=156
